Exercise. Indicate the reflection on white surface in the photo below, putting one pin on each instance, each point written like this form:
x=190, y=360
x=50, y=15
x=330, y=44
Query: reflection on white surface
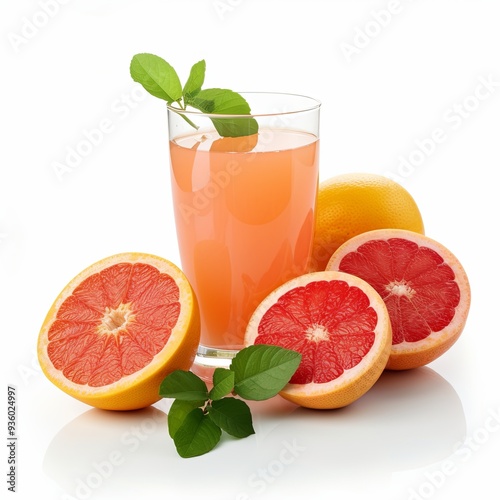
x=407, y=420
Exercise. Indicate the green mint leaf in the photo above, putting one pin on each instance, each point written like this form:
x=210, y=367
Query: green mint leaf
x=235, y=127
x=225, y=102
x=223, y=383
x=261, y=371
x=197, y=435
x=233, y=416
x=178, y=413
x=195, y=79
x=156, y=76
x=184, y=385
x=160, y=79
x=220, y=101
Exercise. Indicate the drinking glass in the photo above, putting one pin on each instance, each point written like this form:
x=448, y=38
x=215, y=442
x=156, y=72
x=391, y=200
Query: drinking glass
x=244, y=209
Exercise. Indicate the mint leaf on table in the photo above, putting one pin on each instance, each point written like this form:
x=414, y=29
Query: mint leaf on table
x=197, y=435
x=160, y=79
x=223, y=380
x=184, y=385
x=157, y=76
x=261, y=371
x=233, y=416
x=178, y=413
x=197, y=417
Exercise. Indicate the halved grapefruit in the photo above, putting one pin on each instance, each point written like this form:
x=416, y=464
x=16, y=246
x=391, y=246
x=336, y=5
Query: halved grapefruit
x=341, y=327
x=117, y=329
x=424, y=287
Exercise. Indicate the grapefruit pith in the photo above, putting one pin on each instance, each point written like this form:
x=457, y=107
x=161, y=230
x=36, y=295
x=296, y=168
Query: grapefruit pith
x=424, y=287
x=341, y=327
x=117, y=329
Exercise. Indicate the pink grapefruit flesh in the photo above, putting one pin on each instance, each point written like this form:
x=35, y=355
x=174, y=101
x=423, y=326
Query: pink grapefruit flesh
x=340, y=326
x=423, y=285
x=117, y=329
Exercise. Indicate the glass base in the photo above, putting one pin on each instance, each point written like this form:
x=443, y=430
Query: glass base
x=207, y=359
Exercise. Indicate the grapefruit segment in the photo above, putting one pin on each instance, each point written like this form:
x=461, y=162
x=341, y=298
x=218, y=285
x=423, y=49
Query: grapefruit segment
x=423, y=285
x=115, y=281
x=117, y=329
x=341, y=327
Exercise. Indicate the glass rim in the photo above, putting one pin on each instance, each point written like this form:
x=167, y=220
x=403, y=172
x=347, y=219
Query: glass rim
x=315, y=104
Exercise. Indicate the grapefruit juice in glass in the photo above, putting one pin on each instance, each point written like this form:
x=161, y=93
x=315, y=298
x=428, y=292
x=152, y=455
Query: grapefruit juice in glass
x=244, y=210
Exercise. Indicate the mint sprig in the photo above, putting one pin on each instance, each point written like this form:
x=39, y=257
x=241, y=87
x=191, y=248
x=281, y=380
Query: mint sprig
x=160, y=79
x=197, y=417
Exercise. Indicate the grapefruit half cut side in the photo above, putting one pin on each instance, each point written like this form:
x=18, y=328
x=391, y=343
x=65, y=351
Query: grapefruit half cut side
x=423, y=285
x=341, y=327
x=117, y=329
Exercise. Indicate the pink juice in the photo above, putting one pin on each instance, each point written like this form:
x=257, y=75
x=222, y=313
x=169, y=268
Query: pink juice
x=244, y=211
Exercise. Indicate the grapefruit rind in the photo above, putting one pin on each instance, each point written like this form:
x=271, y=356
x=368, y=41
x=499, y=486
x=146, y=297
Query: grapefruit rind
x=408, y=355
x=353, y=382
x=139, y=389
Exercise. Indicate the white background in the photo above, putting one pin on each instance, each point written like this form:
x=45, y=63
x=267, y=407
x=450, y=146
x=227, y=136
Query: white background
x=430, y=433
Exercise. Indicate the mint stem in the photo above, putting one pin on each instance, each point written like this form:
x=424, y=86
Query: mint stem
x=185, y=117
